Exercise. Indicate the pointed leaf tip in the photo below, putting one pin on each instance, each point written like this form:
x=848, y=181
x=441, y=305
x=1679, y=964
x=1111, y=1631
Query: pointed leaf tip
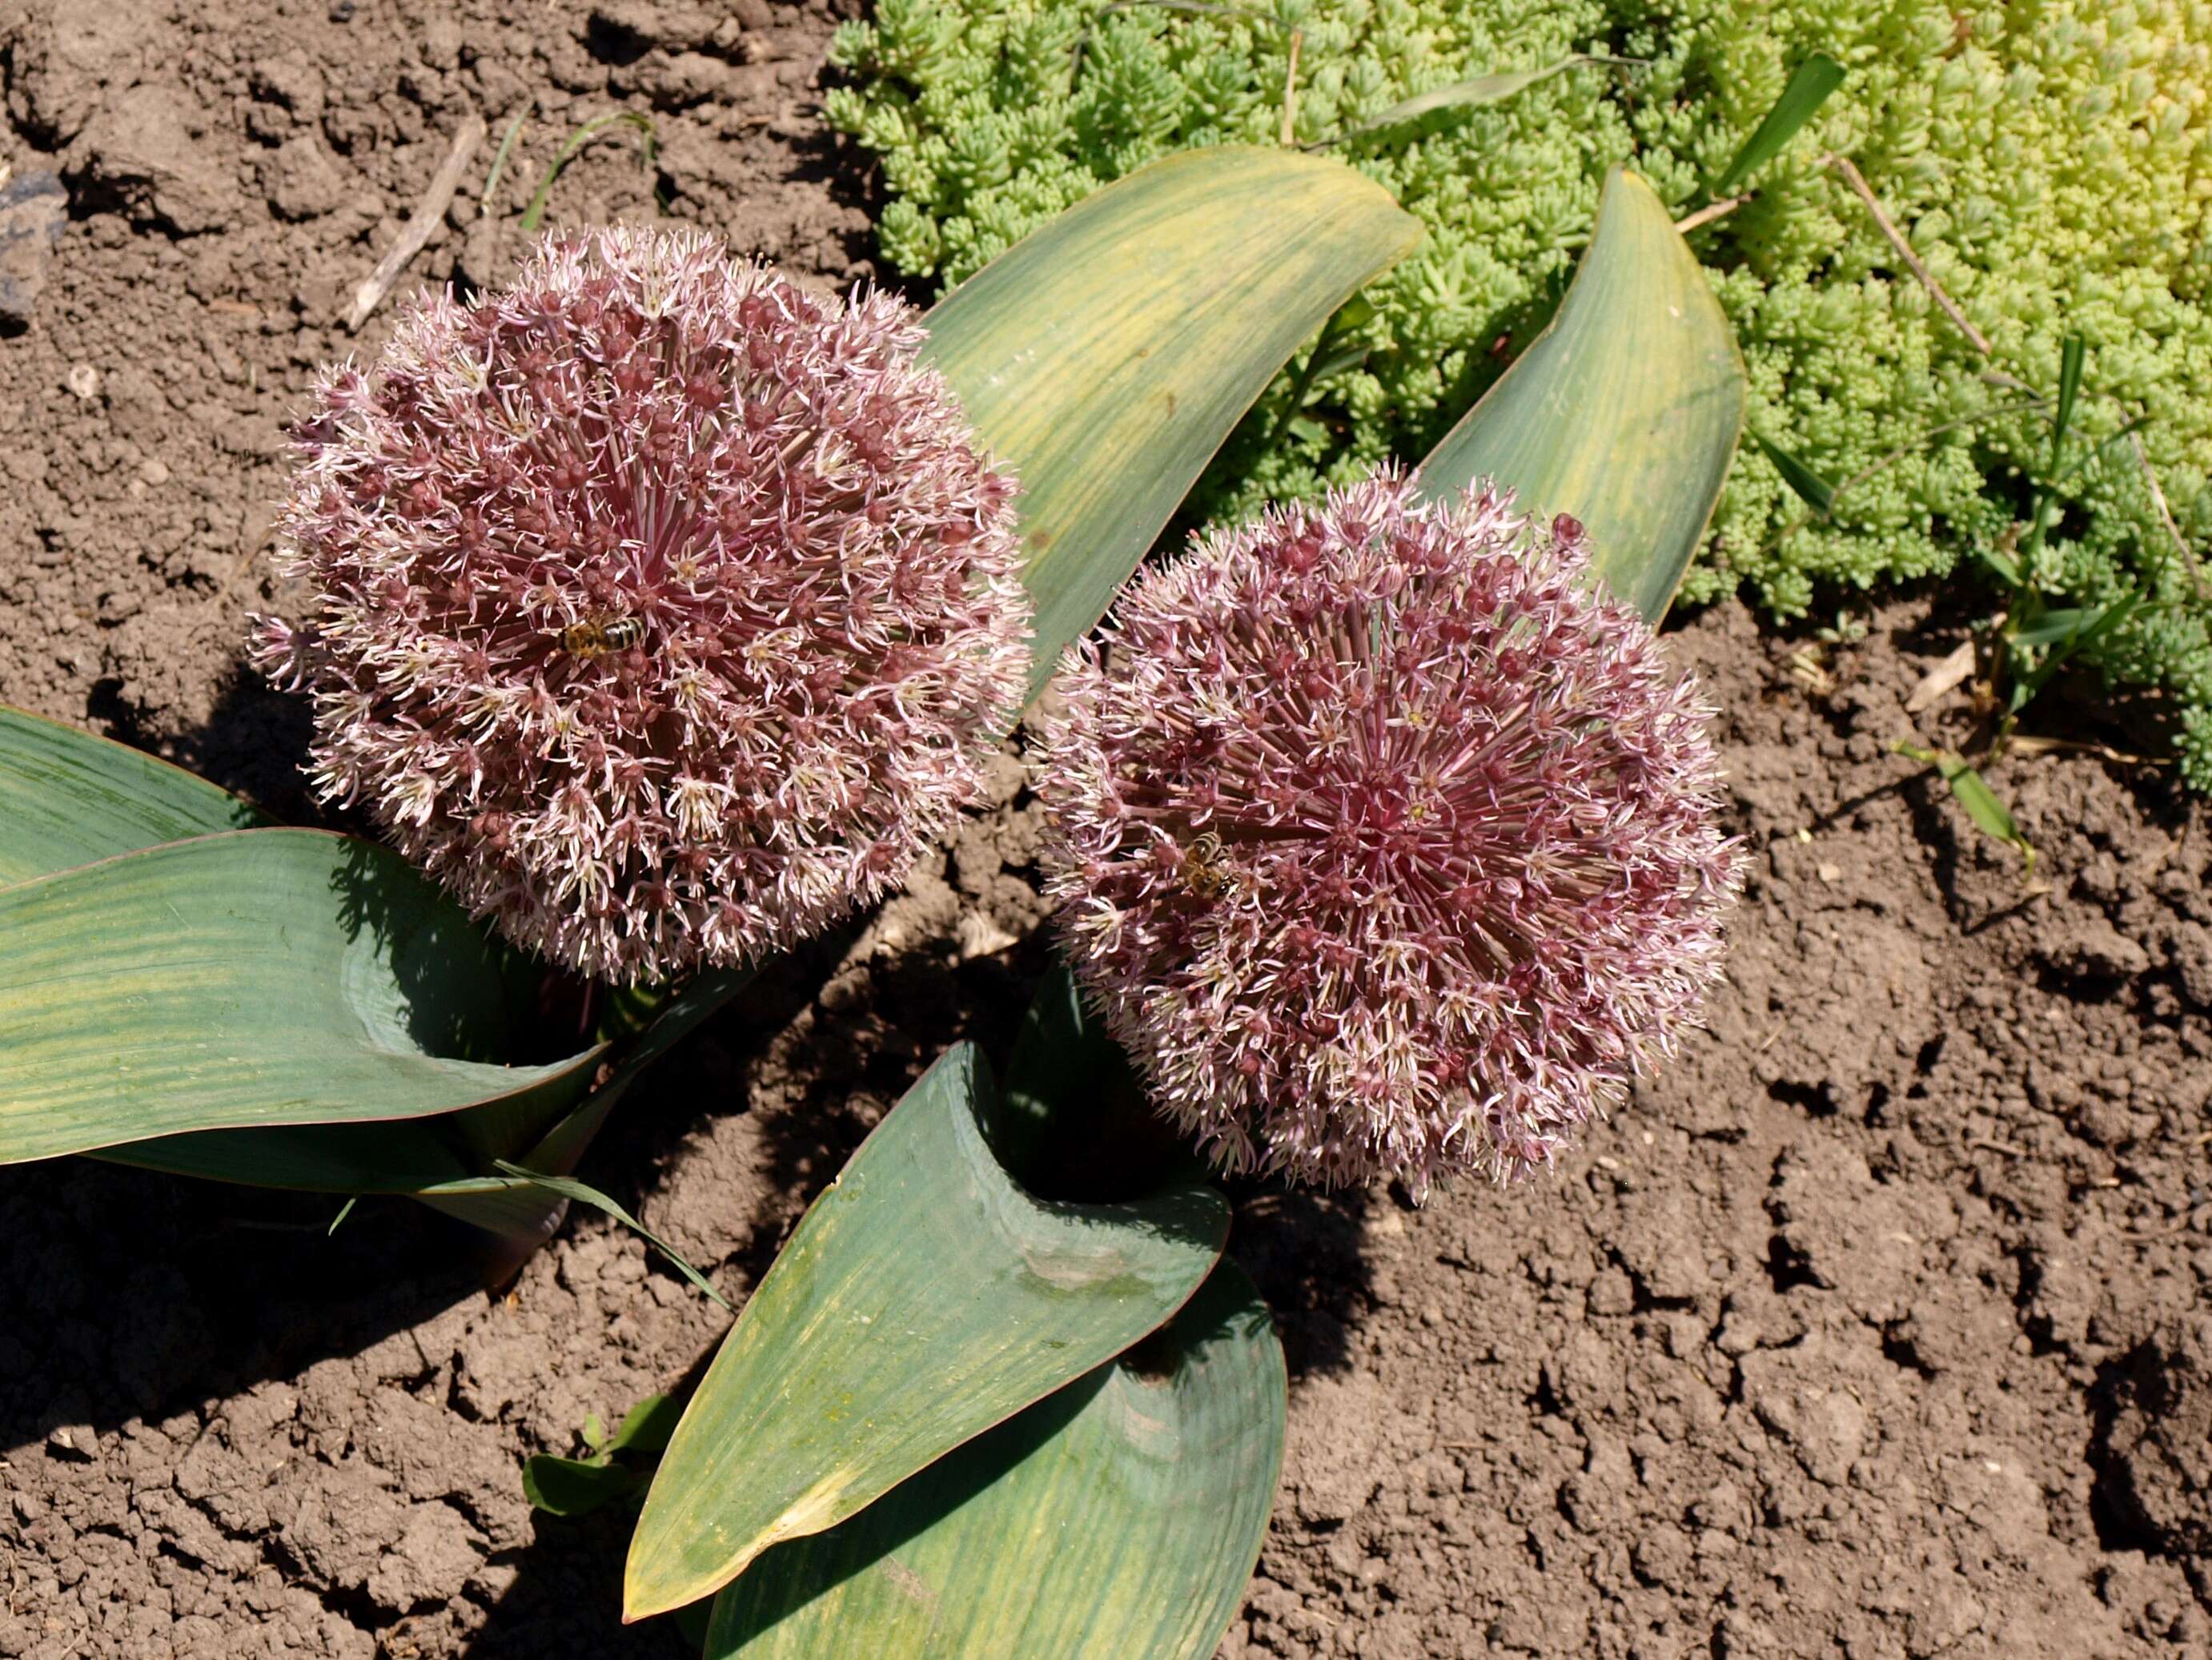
x=1625, y=411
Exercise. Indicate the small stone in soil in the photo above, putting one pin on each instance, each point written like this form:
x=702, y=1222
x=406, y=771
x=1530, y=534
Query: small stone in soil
x=32, y=209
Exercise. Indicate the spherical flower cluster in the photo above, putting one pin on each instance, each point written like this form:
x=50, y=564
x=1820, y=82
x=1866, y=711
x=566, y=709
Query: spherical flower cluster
x=661, y=610
x=1387, y=846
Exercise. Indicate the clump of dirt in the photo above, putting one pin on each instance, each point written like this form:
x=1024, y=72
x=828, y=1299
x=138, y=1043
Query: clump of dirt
x=1873, y=1326
x=2156, y=1450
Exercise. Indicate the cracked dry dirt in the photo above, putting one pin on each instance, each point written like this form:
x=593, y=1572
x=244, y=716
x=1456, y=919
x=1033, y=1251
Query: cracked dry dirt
x=1875, y=1328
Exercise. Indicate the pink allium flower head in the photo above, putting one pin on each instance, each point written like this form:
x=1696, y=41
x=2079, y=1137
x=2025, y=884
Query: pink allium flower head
x=662, y=611
x=1385, y=846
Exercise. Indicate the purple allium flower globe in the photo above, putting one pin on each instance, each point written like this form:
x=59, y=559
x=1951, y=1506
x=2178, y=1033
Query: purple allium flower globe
x=1386, y=845
x=662, y=611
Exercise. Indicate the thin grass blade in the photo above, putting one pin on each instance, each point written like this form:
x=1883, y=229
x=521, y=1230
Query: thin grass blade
x=1808, y=89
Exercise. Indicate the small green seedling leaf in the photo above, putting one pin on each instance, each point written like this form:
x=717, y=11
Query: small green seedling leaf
x=568, y=1186
x=583, y=134
x=2000, y=557
x=2071, y=357
x=646, y=1426
x=2119, y=435
x=1814, y=491
x=2056, y=625
x=2086, y=627
x=1808, y=89
x=499, y=157
x=926, y=1297
x=576, y=1486
x=1973, y=792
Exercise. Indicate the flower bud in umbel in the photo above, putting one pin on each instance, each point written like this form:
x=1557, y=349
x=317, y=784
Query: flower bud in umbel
x=660, y=609
x=1386, y=845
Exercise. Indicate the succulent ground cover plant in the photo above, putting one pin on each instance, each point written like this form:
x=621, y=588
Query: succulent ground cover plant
x=2044, y=165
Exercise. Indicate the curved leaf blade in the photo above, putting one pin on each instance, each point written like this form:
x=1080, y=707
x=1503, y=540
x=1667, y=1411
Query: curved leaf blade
x=924, y=1298
x=1106, y=356
x=68, y=797
x=259, y=978
x=1121, y=1515
x=1625, y=411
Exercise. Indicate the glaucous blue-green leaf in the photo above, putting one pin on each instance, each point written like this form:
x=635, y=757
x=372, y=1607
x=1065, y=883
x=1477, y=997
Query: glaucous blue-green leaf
x=1120, y=1516
x=1105, y=357
x=1624, y=412
x=254, y=979
x=925, y=1297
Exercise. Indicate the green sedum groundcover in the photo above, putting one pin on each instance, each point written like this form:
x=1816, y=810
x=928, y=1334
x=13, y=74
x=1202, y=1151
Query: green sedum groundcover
x=2049, y=163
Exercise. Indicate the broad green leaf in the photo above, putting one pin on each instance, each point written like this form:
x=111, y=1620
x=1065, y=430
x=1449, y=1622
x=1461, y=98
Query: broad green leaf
x=925, y=1297
x=1466, y=94
x=67, y=798
x=1106, y=356
x=429, y=1157
x=257, y=978
x=1121, y=1517
x=1808, y=89
x=397, y=1156
x=1624, y=412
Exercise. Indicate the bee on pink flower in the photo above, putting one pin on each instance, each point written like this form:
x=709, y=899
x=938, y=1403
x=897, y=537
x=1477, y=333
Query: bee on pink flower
x=660, y=609
x=1384, y=843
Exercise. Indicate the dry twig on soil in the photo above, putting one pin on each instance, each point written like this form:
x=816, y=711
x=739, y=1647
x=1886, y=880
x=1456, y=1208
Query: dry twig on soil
x=424, y=221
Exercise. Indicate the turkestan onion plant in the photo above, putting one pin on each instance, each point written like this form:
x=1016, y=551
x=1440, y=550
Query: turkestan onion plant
x=1386, y=844
x=660, y=614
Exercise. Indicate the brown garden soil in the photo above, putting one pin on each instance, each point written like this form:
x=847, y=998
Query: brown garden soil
x=1876, y=1327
